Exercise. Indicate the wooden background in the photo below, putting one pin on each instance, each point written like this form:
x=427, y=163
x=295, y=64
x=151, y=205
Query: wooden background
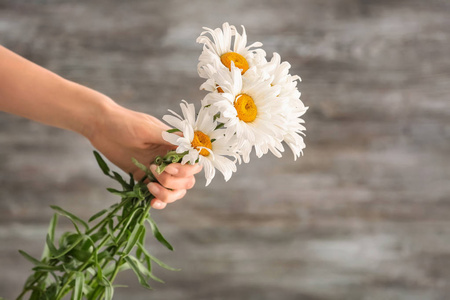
x=365, y=214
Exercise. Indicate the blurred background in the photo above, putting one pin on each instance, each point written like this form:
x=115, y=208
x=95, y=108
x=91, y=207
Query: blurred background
x=365, y=213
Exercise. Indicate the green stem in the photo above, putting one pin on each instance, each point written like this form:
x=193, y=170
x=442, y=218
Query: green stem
x=129, y=218
x=28, y=288
x=107, y=218
x=99, y=291
x=106, y=239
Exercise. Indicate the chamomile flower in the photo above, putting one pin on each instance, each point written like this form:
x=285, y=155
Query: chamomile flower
x=251, y=109
x=202, y=142
x=294, y=127
x=278, y=75
x=220, y=50
x=294, y=131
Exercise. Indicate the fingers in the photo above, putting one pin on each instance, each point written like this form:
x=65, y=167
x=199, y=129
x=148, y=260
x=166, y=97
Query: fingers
x=180, y=170
x=172, y=184
x=178, y=176
x=157, y=204
x=165, y=195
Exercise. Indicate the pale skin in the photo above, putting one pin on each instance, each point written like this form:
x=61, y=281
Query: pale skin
x=36, y=93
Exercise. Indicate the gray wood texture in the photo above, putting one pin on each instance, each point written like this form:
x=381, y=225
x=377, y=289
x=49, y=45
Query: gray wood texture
x=365, y=213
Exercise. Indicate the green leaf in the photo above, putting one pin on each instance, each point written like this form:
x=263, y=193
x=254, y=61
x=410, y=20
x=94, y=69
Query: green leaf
x=146, y=170
x=30, y=258
x=103, y=255
x=37, y=294
x=78, y=289
x=99, y=234
x=109, y=269
x=80, y=255
x=158, y=234
x=33, y=277
x=51, y=291
x=131, y=180
x=144, y=270
x=51, y=233
x=99, y=270
x=102, y=164
x=51, y=247
x=87, y=290
x=133, y=238
x=71, y=266
x=115, y=192
x=127, y=223
x=97, y=215
x=173, y=130
x=132, y=262
x=141, y=166
x=120, y=180
x=64, y=251
x=141, y=241
x=46, y=268
x=111, y=227
x=63, y=240
x=72, y=217
x=137, y=191
x=109, y=289
x=159, y=262
x=123, y=194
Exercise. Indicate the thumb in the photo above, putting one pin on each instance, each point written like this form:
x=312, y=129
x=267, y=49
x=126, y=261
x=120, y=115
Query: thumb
x=157, y=133
x=161, y=136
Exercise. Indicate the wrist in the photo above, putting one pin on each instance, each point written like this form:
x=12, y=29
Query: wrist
x=96, y=110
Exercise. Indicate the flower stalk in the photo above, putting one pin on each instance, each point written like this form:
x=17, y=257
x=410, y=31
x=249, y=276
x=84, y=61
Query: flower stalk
x=85, y=262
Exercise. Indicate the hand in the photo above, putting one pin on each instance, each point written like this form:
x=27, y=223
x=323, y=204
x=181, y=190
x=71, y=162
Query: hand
x=121, y=134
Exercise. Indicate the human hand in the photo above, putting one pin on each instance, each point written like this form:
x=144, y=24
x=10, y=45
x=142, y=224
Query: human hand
x=121, y=134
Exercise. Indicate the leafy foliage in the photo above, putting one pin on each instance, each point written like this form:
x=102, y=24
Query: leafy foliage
x=86, y=261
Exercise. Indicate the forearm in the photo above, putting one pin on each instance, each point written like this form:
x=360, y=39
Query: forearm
x=33, y=92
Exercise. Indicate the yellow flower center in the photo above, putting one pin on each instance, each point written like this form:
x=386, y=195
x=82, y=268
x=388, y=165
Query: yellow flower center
x=201, y=140
x=245, y=107
x=239, y=61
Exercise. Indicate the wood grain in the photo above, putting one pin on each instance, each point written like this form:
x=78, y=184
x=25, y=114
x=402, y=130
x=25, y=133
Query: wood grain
x=363, y=215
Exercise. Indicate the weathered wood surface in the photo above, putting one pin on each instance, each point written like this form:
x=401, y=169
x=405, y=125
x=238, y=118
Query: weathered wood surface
x=365, y=214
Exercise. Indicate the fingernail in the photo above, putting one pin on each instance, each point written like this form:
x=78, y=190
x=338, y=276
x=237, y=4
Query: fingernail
x=153, y=188
x=158, y=204
x=171, y=170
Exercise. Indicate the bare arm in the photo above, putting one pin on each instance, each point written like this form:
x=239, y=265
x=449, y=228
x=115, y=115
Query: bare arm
x=33, y=92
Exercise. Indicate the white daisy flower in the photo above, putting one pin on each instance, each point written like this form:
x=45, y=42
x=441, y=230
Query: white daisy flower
x=278, y=73
x=202, y=142
x=250, y=108
x=294, y=127
x=294, y=131
x=220, y=51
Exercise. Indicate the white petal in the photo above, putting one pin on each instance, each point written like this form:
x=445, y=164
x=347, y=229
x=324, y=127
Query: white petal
x=171, y=138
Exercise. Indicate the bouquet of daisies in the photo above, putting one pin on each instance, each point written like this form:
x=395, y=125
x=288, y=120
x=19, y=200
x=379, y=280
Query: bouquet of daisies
x=252, y=103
